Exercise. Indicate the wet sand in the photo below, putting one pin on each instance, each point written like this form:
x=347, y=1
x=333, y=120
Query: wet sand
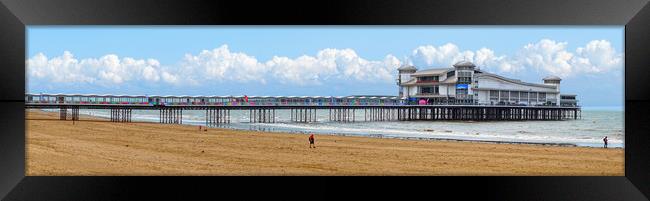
x=95, y=146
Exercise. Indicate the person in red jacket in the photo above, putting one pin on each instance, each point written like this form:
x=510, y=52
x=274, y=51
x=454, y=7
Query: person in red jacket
x=311, y=141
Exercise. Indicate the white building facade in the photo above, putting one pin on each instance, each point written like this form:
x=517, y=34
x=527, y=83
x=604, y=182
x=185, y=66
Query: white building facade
x=464, y=84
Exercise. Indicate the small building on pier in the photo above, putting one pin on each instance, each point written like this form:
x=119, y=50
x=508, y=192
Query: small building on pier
x=463, y=83
x=568, y=100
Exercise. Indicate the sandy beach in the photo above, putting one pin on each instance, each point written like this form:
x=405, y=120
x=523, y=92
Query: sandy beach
x=95, y=146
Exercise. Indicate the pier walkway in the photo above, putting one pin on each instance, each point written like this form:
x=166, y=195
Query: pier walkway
x=302, y=109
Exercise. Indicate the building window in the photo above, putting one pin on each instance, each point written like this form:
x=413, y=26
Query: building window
x=494, y=95
x=568, y=97
x=461, y=93
x=451, y=73
x=514, y=96
x=429, y=90
x=504, y=95
x=533, y=96
x=524, y=96
x=464, y=80
x=542, y=97
x=464, y=77
x=428, y=79
x=550, y=97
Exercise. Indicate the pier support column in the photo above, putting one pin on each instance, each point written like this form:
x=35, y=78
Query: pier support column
x=365, y=114
x=264, y=115
x=303, y=115
x=118, y=114
x=75, y=113
x=216, y=117
x=63, y=113
x=167, y=115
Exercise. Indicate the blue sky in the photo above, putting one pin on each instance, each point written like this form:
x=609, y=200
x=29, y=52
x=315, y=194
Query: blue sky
x=313, y=60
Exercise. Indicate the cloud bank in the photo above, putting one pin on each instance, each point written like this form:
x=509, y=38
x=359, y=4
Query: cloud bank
x=223, y=65
x=108, y=69
x=546, y=55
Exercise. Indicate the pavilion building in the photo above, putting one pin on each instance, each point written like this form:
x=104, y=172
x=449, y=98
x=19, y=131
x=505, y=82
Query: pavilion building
x=463, y=83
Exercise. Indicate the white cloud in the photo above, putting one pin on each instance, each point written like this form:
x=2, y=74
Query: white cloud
x=219, y=64
x=445, y=55
x=449, y=54
x=333, y=63
x=150, y=73
x=545, y=55
x=598, y=56
x=108, y=69
x=486, y=58
x=222, y=64
x=169, y=78
x=64, y=68
x=550, y=56
x=303, y=70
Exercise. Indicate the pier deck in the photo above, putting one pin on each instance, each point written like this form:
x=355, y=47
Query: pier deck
x=220, y=114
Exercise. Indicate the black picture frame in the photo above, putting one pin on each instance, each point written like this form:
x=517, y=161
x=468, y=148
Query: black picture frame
x=15, y=15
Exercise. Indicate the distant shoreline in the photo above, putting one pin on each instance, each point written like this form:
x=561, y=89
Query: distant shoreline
x=604, y=108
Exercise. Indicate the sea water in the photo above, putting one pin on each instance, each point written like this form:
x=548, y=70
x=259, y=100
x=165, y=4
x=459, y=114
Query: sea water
x=589, y=130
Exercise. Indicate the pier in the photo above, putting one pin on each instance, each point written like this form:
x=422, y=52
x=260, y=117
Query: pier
x=301, y=109
x=118, y=114
x=216, y=116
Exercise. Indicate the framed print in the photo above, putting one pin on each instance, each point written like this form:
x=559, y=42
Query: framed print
x=510, y=100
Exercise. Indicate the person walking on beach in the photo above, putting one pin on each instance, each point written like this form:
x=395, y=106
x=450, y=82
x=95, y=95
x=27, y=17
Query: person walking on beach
x=605, y=141
x=311, y=141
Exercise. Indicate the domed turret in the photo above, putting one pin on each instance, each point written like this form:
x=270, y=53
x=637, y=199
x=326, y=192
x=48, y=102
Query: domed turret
x=552, y=79
x=404, y=75
x=407, y=69
x=464, y=65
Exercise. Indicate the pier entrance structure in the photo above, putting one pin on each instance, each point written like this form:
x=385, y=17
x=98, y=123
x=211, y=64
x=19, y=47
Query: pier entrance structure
x=302, y=109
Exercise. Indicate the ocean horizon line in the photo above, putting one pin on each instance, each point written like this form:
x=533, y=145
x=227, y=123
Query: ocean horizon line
x=603, y=108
